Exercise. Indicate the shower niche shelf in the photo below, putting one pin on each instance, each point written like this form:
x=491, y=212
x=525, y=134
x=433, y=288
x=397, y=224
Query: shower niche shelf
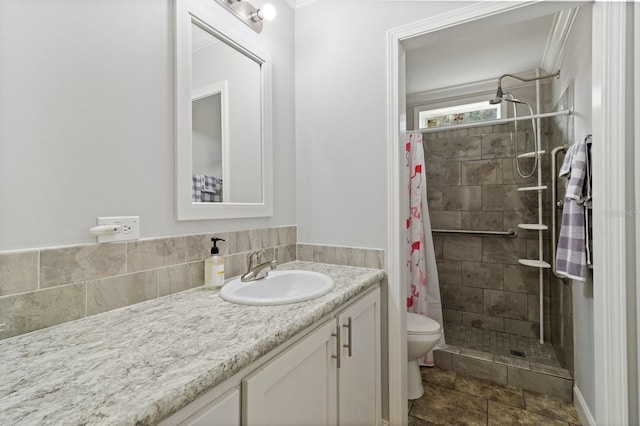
x=533, y=226
x=534, y=263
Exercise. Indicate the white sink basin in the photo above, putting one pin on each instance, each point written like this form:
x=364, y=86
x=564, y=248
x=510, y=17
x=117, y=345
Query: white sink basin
x=279, y=288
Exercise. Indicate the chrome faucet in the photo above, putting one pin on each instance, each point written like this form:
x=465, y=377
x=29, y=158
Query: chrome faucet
x=260, y=270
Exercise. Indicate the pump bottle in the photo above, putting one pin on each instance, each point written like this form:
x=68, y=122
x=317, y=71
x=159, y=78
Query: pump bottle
x=214, y=268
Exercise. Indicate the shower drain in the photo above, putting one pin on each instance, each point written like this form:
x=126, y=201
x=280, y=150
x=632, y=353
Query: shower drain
x=518, y=353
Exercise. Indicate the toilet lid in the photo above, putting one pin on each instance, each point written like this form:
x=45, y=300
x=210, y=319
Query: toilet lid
x=419, y=324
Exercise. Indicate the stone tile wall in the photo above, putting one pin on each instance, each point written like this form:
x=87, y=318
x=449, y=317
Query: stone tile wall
x=472, y=184
x=43, y=287
x=561, y=291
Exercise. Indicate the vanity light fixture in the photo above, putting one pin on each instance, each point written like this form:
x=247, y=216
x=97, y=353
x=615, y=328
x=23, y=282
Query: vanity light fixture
x=268, y=13
x=248, y=13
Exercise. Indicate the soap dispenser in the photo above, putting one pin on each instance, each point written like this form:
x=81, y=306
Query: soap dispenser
x=214, y=267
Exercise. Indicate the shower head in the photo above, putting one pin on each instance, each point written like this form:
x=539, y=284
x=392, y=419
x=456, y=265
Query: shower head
x=498, y=98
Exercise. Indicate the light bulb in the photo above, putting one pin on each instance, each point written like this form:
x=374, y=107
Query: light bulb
x=267, y=12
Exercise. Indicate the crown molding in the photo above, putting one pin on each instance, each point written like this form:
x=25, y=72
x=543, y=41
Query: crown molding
x=467, y=90
x=297, y=4
x=557, y=39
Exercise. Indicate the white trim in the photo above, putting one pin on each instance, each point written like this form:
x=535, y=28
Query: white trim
x=245, y=41
x=554, y=50
x=396, y=292
x=476, y=89
x=636, y=55
x=297, y=4
x=586, y=418
x=610, y=230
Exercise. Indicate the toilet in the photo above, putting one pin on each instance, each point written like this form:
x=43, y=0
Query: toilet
x=422, y=335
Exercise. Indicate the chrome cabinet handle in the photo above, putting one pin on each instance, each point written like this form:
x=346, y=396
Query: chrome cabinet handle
x=337, y=336
x=348, y=345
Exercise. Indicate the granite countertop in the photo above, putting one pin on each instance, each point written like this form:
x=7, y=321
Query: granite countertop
x=142, y=363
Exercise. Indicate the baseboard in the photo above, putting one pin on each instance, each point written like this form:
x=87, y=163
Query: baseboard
x=582, y=408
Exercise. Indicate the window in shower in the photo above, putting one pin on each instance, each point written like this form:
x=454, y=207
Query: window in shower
x=459, y=114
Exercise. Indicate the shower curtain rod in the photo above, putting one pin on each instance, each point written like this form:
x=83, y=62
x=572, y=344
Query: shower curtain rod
x=491, y=122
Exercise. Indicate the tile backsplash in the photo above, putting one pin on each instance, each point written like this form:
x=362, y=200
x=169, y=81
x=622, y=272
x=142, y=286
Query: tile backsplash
x=43, y=287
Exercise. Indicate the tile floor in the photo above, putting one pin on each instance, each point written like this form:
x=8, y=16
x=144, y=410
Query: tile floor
x=498, y=343
x=455, y=399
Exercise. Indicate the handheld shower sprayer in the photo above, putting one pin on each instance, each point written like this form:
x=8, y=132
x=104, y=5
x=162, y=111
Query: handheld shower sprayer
x=508, y=97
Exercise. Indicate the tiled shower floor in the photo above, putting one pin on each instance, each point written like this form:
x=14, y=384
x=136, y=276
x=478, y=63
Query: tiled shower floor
x=498, y=343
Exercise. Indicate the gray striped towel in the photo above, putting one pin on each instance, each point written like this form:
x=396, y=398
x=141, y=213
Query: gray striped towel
x=206, y=189
x=574, y=252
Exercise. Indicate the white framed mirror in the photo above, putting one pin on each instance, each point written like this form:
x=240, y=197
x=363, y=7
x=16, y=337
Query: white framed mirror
x=223, y=146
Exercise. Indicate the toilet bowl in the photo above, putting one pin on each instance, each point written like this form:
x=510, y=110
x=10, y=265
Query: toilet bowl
x=422, y=335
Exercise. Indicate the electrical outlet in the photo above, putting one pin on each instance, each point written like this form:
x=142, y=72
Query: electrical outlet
x=3, y=327
x=129, y=228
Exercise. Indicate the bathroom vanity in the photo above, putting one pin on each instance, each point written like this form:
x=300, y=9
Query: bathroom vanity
x=193, y=358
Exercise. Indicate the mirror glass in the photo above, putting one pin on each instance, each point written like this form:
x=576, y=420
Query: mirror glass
x=223, y=117
x=225, y=122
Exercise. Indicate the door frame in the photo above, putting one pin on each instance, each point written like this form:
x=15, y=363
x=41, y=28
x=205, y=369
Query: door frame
x=610, y=279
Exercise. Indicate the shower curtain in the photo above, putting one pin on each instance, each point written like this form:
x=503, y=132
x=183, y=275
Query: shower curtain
x=423, y=288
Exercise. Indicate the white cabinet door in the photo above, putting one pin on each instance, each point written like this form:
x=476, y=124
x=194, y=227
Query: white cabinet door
x=207, y=410
x=359, y=389
x=225, y=411
x=296, y=388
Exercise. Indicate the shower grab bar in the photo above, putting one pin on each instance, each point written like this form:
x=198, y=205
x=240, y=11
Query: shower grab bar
x=511, y=233
x=555, y=205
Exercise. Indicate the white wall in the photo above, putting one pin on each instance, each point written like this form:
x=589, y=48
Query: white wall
x=341, y=111
x=87, y=119
x=576, y=65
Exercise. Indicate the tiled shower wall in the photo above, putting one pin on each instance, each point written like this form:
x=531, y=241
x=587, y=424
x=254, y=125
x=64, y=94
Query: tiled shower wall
x=561, y=133
x=472, y=184
x=43, y=287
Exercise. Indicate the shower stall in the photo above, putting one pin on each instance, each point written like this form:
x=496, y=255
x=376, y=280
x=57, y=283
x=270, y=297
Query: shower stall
x=490, y=188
